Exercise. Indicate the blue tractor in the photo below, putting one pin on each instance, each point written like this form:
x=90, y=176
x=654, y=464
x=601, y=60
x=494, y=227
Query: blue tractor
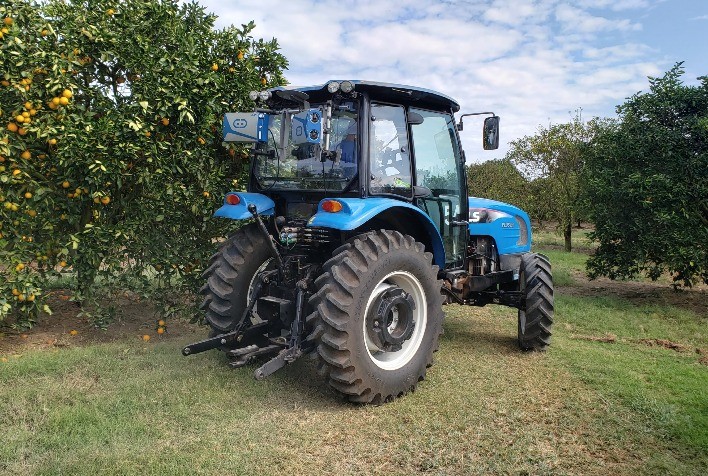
x=357, y=229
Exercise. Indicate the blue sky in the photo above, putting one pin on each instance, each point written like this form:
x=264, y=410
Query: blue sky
x=530, y=61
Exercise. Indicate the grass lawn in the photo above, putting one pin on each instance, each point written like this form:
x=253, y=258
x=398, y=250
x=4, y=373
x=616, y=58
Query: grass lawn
x=633, y=405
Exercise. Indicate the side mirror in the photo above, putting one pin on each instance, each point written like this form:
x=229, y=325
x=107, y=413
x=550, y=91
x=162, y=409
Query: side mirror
x=490, y=133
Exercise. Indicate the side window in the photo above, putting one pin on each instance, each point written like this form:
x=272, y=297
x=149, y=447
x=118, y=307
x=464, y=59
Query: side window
x=389, y=156
x=436, y=153
x=436, y=167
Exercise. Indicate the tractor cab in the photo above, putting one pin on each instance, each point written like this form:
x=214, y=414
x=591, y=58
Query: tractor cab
x=360, y=140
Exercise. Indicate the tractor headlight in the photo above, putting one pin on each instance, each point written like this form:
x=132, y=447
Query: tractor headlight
x=265, y=95
x=333, y=87
x=253, y=95
x=486, y=215
x=347, y=87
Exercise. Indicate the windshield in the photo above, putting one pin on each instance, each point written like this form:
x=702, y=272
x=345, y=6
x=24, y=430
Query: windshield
x=303, y=166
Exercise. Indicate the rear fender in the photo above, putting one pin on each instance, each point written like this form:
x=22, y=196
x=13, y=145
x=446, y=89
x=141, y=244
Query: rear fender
x=264, y=206
x=357, y=212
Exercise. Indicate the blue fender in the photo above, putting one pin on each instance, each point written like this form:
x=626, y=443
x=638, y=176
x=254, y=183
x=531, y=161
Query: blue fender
x=357, y=211
x=264, y=205
x=508, y=225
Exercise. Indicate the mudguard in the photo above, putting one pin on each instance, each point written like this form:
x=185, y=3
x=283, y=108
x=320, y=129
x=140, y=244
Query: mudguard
x=264, y=205
x=357, y=211
x=508, y=225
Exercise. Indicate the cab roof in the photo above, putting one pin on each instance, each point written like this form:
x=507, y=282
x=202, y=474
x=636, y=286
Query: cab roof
x=399, y=93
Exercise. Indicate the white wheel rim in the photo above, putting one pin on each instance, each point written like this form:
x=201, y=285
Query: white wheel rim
x=410, y=284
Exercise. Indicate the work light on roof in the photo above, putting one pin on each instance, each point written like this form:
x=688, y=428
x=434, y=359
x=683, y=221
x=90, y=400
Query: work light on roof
x=253, y=95
x=346, y=87
x=333, y=87
x=264, y=95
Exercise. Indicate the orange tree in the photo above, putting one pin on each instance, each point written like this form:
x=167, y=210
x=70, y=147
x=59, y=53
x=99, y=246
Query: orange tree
x=111, y=159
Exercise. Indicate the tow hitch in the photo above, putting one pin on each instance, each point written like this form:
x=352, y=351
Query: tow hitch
x=248, y=341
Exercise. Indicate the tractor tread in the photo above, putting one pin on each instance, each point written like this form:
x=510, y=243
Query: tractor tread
x=228, y=276
x=335, y=301
x=536, y=321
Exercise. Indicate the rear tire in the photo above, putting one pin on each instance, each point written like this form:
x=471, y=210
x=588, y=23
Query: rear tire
x=536, y=320
x=230, y=277
x=377, y=314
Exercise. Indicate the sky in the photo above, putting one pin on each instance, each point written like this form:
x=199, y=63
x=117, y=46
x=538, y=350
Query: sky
x=532, y=62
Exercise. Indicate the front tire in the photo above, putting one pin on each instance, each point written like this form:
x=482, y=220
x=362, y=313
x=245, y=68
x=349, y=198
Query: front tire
x=536, y=320
x=231, y=277
x=378, y=315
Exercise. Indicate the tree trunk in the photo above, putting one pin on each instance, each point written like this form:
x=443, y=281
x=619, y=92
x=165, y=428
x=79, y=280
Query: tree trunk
x=567, y=231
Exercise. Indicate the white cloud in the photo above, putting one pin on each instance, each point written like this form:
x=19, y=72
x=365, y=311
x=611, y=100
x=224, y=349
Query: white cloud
x=577, y=19
x=616, y=5
x=530, y=61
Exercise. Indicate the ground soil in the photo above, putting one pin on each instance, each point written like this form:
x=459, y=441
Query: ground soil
x=138, y=317
x=640, y=293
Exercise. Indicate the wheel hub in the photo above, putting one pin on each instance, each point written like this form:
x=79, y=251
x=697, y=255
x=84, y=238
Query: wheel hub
x=390, y=321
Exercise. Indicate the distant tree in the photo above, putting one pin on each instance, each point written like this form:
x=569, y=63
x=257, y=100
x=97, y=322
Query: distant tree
x=540, y=202
x=498, y=180
x=556, y=157
x=647, y=184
